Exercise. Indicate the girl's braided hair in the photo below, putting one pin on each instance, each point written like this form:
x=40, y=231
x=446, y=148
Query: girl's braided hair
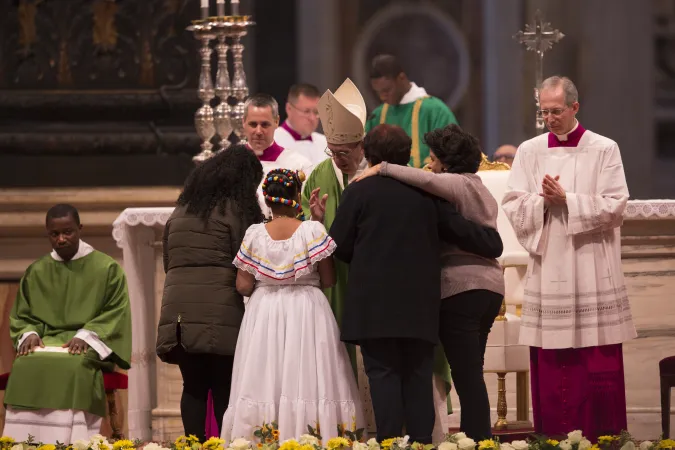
x=282, y=186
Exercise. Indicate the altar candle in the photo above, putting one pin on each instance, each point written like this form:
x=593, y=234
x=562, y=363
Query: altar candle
x=205, y=9
x=220, y=4
x=235, y=7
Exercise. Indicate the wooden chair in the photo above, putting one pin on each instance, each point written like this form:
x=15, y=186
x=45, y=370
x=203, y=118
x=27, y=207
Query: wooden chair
x=667, y=373
x=112, y=382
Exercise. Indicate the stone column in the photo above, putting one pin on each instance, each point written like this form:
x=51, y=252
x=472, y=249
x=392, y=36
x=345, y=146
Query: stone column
x=503, y=60
x=616, y=83
x=318, y=43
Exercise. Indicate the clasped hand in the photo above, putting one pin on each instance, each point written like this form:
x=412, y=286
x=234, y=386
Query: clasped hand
x=552, y=191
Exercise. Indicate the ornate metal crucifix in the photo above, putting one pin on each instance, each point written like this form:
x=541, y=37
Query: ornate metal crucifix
x=538, y=37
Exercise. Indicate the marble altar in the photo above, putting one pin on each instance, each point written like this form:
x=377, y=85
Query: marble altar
x=648, y=251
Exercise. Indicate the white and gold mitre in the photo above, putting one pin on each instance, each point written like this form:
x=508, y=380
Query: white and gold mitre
x=343, y=114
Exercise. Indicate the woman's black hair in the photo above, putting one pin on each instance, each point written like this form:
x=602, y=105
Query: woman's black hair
x=230, y=175
x=458, y=151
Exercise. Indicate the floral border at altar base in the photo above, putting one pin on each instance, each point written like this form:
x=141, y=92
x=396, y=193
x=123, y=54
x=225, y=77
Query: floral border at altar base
x=268, y=437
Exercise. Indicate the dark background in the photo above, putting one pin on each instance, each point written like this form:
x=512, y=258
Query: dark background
x=100, y=93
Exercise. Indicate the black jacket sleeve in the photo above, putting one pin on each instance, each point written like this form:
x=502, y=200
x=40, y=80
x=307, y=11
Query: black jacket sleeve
x=453, y=228
x=343, y=229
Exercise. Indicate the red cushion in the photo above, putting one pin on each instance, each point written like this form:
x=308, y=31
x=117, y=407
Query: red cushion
x=111, y=380
x=667, y=366
x=3, y=381
x=115, y=380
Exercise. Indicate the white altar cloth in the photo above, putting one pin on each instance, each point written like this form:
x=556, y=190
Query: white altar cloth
x=135, y=232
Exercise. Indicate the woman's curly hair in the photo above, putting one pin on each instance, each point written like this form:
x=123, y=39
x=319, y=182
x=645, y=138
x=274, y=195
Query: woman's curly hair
x=458, y=151
x=230, y=175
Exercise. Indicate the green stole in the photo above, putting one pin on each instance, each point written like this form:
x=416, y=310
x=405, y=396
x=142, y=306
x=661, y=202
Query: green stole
x=417, y=118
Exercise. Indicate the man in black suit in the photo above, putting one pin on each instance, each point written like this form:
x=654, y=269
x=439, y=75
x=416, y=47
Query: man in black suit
x=388, y=233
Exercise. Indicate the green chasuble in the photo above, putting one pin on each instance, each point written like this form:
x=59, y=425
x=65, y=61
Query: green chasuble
x=417, y=118
x=324, y=176
x=55, y=300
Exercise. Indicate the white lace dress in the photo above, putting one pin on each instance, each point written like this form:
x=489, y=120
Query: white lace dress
x=290, y=365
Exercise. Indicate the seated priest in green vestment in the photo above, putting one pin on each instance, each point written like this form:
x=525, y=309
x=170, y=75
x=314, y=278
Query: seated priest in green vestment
x=70, y=322
x=407, y=105
x=343, y=118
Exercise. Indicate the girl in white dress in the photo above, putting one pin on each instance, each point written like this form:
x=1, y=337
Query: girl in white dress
x=290, y=366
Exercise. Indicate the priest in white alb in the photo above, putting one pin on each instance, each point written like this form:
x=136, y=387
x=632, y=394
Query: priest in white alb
x=298, y=132
x=565, y=199
x=261, y=119
x=70, y=322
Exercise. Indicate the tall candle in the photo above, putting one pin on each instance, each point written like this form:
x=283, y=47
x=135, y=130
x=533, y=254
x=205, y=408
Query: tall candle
x=220, y=4
x=205, y=9
x=235, y=7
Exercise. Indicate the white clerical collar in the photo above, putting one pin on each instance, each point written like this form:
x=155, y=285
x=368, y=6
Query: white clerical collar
x=563, y=137
x=413, y=94
x=83, y=250
x=363, y=165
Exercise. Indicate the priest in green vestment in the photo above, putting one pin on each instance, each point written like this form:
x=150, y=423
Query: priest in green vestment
x=70, y=322
x=343, y=117
x=407, y=105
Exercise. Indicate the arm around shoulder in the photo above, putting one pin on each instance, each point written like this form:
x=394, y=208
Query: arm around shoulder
x=471, y=237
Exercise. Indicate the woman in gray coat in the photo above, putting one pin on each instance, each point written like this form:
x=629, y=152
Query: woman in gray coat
x=201, y=308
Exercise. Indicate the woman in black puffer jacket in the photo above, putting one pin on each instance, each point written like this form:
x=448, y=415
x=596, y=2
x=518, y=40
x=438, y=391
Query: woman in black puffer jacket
x=201, y=309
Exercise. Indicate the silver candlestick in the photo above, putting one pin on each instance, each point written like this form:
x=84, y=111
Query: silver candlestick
x=204, y=122
x=538, y=37
x=238, y=29
x=226, y=119
x=223, y=89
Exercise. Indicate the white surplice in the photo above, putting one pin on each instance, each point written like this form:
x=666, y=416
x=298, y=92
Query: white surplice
x=314, y=150
x=575, y=294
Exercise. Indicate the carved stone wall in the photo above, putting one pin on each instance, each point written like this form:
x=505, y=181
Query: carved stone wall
x=96, y=92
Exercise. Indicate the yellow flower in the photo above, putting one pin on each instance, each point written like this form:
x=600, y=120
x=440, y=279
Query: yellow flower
x=552, y=442
x=291, y=444
x=387, y=443
x=606, y=439
x=488, y=443
x=6, y=440
x=306, y=447
x=259, y=445
x=47, y=447
x=123, y=444
x=667, y=443
x=336, y=443
x=275, y=434
x=214, y=444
